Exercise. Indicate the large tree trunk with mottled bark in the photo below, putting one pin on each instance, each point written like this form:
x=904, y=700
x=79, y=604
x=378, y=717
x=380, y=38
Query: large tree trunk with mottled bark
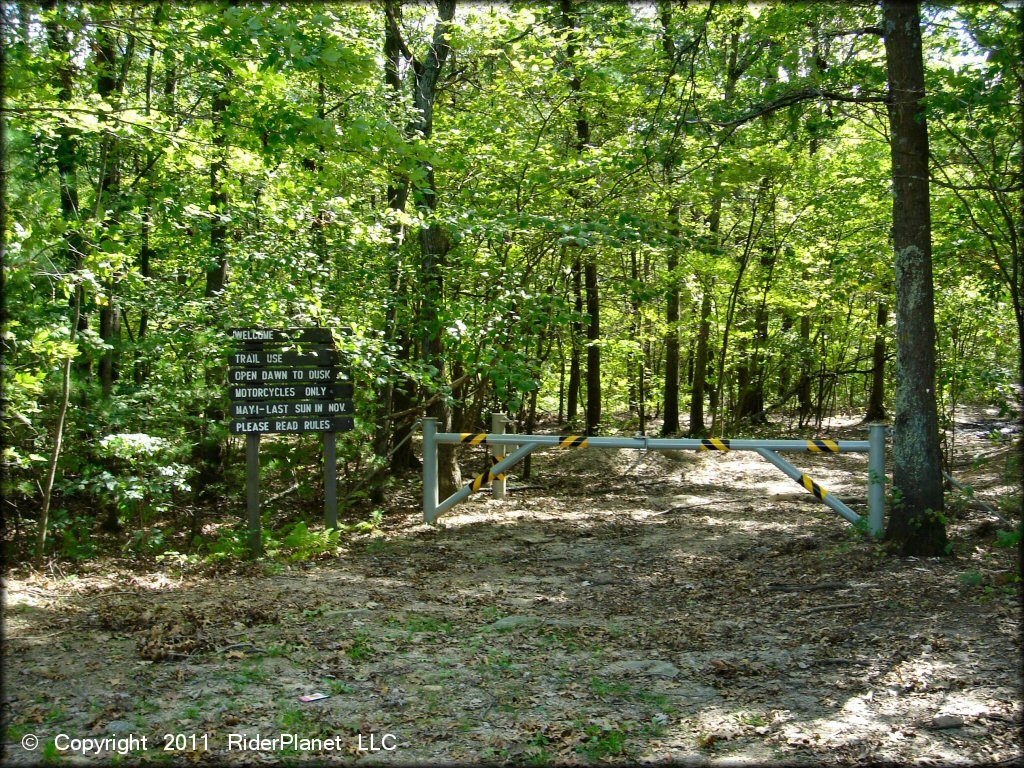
x=916, y=524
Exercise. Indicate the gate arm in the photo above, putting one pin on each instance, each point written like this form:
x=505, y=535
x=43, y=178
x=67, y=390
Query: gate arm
x=820, y=493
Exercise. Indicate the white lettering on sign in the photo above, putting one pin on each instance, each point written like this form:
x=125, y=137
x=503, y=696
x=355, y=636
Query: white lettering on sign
x=316, y=375
x=264, y=393
x=275, y=357
x=316, y=391
x=246, y=376
x=242, y=359
x=253, y=426
x=337, y=407
x=304, y=408
x=251, y=334
x=286, y=426
x=317, y=424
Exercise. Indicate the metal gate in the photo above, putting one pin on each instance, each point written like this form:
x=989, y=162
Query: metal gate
x=524, y=445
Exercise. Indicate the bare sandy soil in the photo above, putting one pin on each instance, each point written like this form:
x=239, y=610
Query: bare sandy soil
x=689, y=608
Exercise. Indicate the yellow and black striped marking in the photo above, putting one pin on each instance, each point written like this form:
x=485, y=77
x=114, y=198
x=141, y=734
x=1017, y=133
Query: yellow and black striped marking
x=473, y=438
x=714, y=444
x=484, y=478
x=573, y=441
x=819, y=492
x=820, y=444
x=495, y=460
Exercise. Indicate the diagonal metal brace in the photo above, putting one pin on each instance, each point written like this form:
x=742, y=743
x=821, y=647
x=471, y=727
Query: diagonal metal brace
x=819, y=493
x=506, y=463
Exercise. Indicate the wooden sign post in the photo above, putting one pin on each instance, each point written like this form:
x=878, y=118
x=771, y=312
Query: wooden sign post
x=288, y=380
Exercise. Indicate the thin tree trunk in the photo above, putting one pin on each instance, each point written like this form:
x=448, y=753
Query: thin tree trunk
x=803, y=385
x=575, y=332
x=593, y=345
x=876, y=400
x=700, y=367
x=58, y=441
x=590, y=280
x=670, y=424
x=209, y=451
x=216, y=276
x=396, y=396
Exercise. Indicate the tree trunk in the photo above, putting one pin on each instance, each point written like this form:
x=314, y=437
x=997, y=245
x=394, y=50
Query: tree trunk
x=66, y=156
x=593, y=410
x=803, y=385
x=433, y=243
x=700, y=367
x=396, y=397
x=575, y=332
x=209, y=451
x=916, y=524
x=216, y=276
x=876, y=400
x=670, y=423
x=593, y=346
x=108, y=199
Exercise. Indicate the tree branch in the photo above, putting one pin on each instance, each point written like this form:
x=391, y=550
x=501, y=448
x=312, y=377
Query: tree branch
x=796, y=97
x=389, y=12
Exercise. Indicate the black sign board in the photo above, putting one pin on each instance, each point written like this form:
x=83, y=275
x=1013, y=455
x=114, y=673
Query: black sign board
x=284, y=336
x=298, y=366
x=341, y=391
x=314, y=408
x=321, y=357
x=292, y=424
x=281, y=375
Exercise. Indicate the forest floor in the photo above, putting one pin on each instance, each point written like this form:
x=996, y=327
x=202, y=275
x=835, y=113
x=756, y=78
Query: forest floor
x=696, y=608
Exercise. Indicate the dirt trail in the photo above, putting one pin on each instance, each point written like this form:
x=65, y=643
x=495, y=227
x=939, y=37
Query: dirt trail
x=697, y=608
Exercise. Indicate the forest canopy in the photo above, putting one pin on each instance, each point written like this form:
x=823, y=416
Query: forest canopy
x=611, y=216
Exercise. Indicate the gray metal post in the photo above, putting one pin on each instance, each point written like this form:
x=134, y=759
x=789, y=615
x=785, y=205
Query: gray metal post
x=430, y=470
x=330, y=480
x=498, y=422
x=876, y=482
x=826, y=498
x=252, y=492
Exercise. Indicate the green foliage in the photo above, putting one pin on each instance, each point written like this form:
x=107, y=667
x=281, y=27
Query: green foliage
x=1008, y=539
x=601, y=741
x=124, y=200
x=303, y=544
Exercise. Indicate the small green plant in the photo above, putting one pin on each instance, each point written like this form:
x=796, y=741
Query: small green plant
x=602, y=687
x=491, y=613
x=371, y=525
x=277, y=650
x=50, y=752
x=361, y=649
x=536, y=751
x=1009, y=539
x=971, y=578
x=293, y=719
x=601, y=742
x=755, y=719
x=426, y=624
x=250, y=673
x=303, y=543
x=337, y=687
